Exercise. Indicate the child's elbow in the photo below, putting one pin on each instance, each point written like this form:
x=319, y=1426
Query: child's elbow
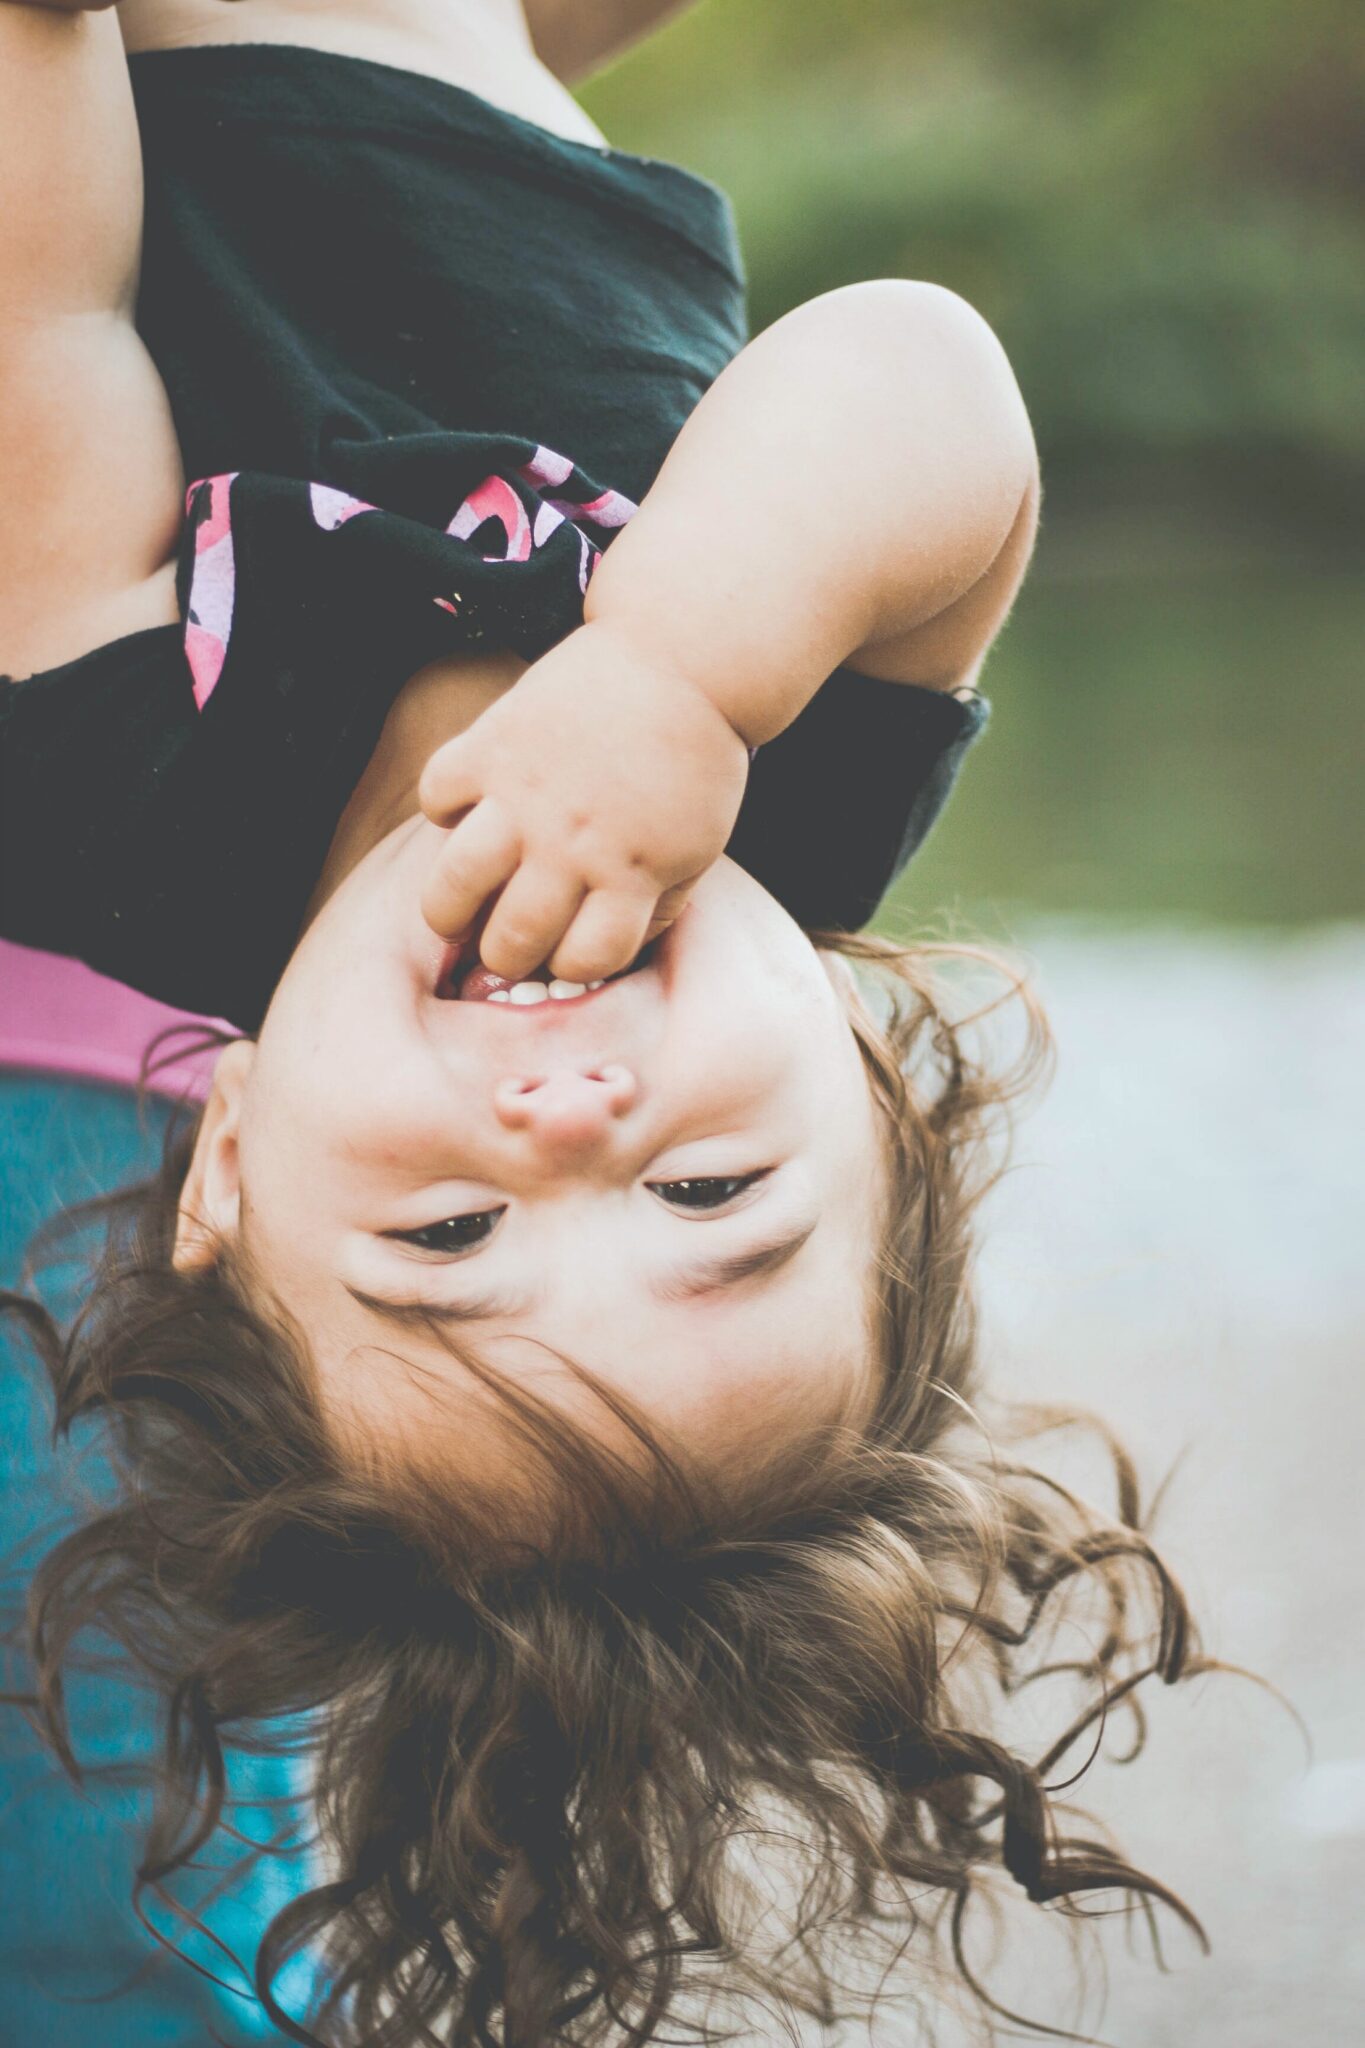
x=930, y=349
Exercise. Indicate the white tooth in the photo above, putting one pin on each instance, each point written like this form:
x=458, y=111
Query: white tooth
x=528, y=992
x=562, y=990
x=596, y=984
x=498, y=995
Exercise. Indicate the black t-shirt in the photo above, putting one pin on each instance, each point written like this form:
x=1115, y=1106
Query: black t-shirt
x=423, y=358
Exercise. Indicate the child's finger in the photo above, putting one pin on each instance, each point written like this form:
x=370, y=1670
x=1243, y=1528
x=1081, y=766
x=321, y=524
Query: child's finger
x=671, y=906
x=474, y=862
x=605, y=936
x=448, y=785
x=529, y=918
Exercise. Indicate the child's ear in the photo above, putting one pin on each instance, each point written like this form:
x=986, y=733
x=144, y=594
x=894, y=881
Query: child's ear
x=210, y=1199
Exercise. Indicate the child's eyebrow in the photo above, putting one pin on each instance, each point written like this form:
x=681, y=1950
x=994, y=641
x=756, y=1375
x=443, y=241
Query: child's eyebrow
x=419, y=1315
x=687, y=1283
x=710, y=1275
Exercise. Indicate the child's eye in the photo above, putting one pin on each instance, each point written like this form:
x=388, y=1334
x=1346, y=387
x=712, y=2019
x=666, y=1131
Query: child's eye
x=454, y=1233
x=713, y=1192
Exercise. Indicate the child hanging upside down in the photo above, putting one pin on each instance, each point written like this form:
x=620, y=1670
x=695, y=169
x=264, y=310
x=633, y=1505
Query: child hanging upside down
x=445, y=650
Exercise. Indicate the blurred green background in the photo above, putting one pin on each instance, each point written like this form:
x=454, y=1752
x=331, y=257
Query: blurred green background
x=1158, y=206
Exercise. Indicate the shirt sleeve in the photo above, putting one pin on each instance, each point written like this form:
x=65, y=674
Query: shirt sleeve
x=838, y=803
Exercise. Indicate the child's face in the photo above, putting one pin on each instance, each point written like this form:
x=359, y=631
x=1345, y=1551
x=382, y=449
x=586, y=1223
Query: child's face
x=373, y=1109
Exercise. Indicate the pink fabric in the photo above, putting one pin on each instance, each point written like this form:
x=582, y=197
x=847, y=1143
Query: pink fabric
x=213, y=587
x=58, y=1017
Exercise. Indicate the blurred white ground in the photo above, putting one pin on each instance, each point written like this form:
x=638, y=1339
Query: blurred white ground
x=1179, y=1247
x=1182, y=1247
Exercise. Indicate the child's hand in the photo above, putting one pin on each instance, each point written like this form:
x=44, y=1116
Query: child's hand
x=594, y=795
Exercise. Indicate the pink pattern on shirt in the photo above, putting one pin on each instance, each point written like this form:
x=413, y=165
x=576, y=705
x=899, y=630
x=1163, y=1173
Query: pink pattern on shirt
x=333, y=509
x=588, y=559
x=547, y=519
x=213, y=578
x=213, y=585
x=612, y=509
x=545, y=467
x=494, y=498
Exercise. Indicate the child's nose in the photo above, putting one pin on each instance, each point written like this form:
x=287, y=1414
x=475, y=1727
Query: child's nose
x=573, y=1108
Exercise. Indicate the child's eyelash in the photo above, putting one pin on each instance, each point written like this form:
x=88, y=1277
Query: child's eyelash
x=453, y=1233
x=698, y=1193
x=711, y=1191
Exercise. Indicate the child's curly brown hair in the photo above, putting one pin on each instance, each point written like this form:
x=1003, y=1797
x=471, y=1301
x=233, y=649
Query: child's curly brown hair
x=539, y=1763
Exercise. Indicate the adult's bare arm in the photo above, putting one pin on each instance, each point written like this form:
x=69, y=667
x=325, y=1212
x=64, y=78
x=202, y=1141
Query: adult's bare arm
x=89, y=469
x=576, y=37
x=70, y=168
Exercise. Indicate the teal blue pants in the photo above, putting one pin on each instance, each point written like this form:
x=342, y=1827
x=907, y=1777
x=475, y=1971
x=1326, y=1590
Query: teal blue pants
x=76, y=1969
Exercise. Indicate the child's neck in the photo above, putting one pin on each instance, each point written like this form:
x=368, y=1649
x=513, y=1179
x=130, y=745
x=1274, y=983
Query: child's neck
x=436, y=704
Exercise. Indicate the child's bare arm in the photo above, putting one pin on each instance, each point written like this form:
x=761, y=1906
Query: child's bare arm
x=575, y=37
x=859, y=486
x=89, y=469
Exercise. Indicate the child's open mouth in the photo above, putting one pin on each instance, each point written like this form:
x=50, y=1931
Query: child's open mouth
x=466, y=980
x=480, y=985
